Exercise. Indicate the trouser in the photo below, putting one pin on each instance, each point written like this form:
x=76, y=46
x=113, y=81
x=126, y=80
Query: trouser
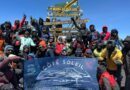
x=123, y=77
x=7, y=87
x=127, y=84
x=21, y=83
x=11, y=76
x=116, y=75
x=107, y=86
x=18, y=73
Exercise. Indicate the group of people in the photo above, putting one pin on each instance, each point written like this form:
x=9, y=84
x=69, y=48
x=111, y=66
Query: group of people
x=28, y=40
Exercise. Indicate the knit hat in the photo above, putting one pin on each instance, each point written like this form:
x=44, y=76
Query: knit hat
x=8, y=47
x=114, y=31
x=104, y=27
x=127, y=39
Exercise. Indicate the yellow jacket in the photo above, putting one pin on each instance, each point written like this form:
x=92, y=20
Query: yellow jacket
x=115, y=56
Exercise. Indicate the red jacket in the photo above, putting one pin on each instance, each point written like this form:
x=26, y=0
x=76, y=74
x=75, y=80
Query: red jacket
x=59, y=48
x=107, y=35
x=20, y=25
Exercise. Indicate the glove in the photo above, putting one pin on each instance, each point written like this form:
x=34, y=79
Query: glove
x=24, y=16
x=72, y=19
x=31, y=17
x=14, y=58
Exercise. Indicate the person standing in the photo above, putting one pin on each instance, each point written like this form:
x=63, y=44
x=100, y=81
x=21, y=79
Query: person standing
x=94, y=37
x=105, y=35
x=113, y=57
x=117, y=40
x=126, y=54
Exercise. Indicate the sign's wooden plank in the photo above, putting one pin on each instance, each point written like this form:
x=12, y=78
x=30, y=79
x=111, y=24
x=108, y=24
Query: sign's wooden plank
x=65, y=22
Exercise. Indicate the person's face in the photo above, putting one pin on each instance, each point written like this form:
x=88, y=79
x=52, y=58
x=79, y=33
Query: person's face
x=47, y=20
x=17, y=23
x=79, y=39
x=64, y=53
x=9, y=51
x=44, y=31
x=127, y=44
x=91, y=28
x=89, y=55
x=26, y=50
x=83, y=25
x=7, y=26
x=51, y=39
x=11, y=35
x=110, y=47
x=41, y=49
x=60, y=40
x=33, y=22
x=41, y=22
x=99, y=48
x=105, y=30
x=26, y=34
x=114, y=35
x=34, y=33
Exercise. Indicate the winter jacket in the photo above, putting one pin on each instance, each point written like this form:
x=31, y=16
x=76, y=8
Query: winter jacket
x=20, y=25
x=111, y=62
x=97, y=53
x=94, y=36
x=107, y=35
x=59, y=48
x=26, y=41
x=127, y=62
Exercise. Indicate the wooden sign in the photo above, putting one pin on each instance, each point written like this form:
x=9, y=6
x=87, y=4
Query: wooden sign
x=58, y=14
x=66, y=22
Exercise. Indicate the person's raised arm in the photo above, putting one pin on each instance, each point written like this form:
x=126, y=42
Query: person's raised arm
x=74, y=22
x=9, y=59
x=23, y=20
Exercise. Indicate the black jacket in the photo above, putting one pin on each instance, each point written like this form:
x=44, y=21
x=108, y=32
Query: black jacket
x=127, y=62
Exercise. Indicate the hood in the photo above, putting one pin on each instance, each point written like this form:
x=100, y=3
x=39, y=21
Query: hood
x=127, y=39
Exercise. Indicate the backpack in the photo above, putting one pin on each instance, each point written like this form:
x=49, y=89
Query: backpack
x=108, y=82
x=119, y=43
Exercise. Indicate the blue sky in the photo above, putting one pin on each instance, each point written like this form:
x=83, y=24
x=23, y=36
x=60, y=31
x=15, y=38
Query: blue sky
x=112, y=13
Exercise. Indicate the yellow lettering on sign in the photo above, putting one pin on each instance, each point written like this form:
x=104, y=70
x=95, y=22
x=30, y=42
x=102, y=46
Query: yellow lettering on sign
x=62, y=9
